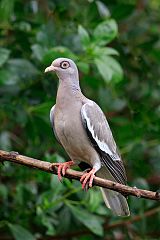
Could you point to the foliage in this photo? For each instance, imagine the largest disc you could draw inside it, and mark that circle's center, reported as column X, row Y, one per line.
column 102, row 37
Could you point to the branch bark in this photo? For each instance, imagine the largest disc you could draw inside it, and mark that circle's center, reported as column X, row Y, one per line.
column 72, row 174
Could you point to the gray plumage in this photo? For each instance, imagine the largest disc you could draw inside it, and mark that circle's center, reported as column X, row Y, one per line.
column 82, row 129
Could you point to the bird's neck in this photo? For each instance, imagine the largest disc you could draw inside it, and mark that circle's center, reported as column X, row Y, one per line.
column 68, row 90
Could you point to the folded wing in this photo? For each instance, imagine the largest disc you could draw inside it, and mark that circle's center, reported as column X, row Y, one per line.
column 100, row 135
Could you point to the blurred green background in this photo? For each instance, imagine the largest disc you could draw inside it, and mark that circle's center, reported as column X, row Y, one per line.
column 116, row 45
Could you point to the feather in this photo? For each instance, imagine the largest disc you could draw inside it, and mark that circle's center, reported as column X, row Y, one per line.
column 113, row 200
column 100, row 135
column 52, row 122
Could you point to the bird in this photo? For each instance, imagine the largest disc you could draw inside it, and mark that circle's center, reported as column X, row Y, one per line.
column 81, row 127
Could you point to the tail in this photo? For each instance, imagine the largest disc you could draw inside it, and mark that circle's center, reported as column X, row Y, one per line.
column 116, row 202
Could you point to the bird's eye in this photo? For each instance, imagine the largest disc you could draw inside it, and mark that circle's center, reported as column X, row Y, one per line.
column 64, row 65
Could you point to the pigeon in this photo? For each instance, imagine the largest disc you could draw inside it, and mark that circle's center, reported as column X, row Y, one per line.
column 82, row 129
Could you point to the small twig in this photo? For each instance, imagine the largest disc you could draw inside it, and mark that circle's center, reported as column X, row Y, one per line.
column 133, row 219
column 48, row 167
column 107, row 226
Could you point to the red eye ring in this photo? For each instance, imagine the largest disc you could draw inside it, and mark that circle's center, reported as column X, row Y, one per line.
column 64, row 65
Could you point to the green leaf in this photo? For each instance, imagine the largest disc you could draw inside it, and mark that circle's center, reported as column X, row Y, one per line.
column 4, row 55
column 7, row 77
column 3, row 223
column 22, row 68
column 57, row 52
column 65, row 217
column 38, row 51
column 101, row 51
column 3, row 191
column 42, row 108
column 6, row 9
column 84, row 67
column 95, row 198
column 5, row 140
column 109, row 69
column 84, row 36
column 55, row 182
column 118, row 104
column 91, row 221
column 54, row 158
column 105, row 32
column 23, row 26
column 102, row 9
column 141, row 183
column 20, row 232
column 48, row 222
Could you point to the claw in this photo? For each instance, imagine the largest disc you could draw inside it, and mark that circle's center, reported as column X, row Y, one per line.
column 62, row 167
column 87, row 179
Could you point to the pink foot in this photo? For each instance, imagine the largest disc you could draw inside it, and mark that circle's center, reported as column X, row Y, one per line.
column 87, row 179
column 62, row 167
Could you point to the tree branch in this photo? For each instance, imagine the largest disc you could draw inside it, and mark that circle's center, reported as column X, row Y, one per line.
column 107, row 226
column 48, row 167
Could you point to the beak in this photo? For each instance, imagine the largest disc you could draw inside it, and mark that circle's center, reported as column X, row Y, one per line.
column 50, row 69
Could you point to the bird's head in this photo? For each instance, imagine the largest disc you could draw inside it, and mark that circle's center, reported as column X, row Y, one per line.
column 65, row 68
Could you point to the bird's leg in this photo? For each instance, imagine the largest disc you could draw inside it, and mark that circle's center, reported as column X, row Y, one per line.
column 87, row 178
column 62, row 167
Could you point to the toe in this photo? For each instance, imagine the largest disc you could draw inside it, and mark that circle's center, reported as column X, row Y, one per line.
column 59, row 172
column 85, row 181
column 64, row 168
column 83, row 177
column 91, row 180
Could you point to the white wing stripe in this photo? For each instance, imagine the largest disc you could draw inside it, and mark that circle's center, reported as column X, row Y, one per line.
column 102, row 145
column 51, row 114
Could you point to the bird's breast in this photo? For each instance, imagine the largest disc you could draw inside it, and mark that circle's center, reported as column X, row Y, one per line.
column 70, row 131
